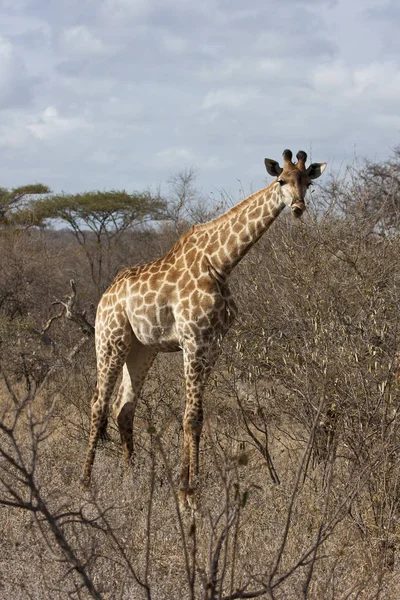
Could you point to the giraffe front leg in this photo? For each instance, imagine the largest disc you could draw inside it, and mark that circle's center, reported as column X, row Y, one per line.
column 125, row 426
column 197, row 369
column 184, row 478
column 192, row 427
column 124, row 412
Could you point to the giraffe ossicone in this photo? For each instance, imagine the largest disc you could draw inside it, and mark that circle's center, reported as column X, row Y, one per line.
column 182, row 302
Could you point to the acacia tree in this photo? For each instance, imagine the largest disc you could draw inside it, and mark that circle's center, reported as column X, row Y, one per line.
column 98, row 219
column 13, row 203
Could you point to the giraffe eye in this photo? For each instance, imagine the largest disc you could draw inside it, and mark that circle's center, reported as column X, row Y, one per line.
column 281, row 182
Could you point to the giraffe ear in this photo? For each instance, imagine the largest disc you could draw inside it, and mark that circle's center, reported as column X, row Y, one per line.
column 272, row 167
column 315, row 170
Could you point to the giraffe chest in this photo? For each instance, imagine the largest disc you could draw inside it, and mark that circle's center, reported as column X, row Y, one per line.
column 208, row 320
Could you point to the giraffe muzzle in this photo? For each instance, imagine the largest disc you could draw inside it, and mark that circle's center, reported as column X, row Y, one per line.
column 297, row 209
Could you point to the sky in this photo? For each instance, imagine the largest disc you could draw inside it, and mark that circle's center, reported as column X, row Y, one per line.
column 124, row 94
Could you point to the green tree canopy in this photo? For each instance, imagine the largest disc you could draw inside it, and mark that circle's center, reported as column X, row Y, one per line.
column 101, row 212
column 13, row 203
column 97, row 220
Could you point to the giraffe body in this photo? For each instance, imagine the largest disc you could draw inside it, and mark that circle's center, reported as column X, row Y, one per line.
column 182, row 302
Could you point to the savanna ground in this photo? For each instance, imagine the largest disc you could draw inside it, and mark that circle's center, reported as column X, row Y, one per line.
column 300, row 490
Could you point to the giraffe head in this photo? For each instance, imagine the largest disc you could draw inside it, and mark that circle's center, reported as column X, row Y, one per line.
column 293, row 179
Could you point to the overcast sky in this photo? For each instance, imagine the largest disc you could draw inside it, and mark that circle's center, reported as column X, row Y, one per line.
column 123, row 94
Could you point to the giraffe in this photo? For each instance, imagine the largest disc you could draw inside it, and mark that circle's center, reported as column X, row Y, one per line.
column 182, row 302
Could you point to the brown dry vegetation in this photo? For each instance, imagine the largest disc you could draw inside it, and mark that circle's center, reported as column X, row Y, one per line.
column 300, row 489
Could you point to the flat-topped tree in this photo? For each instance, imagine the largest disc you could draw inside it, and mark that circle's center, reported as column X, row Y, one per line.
column 98, row 218
column 182, row 302
column 14, row 202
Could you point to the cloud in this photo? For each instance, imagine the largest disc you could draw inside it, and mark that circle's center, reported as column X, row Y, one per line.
column 231, row 98
column 380, row 81
column 51, row 125
column 15, row 82
column 374, row 85
column 116, row 10
column 388, row 121
column 174, row 44
column 13, row 137
column 80, row 40
column 102, row 157
column 186, row 157
column 331, row 77
column 143, row 89
column 170, row 156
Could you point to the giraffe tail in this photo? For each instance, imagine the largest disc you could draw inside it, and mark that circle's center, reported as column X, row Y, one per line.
column 104, row 436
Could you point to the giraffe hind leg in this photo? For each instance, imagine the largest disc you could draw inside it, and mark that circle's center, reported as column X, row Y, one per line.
column 103, row 431
column 115, row 355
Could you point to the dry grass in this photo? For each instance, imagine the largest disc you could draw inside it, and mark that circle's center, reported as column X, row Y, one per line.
column 152, row 542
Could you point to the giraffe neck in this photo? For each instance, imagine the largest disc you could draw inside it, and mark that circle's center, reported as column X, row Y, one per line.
column 233, row 234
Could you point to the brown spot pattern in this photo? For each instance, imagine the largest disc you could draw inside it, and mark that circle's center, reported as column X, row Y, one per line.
column 179, row 302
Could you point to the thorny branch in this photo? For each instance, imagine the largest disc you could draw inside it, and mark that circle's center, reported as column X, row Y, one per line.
column 18, row 480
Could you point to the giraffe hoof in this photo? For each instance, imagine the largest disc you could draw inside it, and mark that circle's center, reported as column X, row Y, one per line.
column 127, row 475
column 182, row 496
column 129, row 464
column 188, row 498
column 192, row 501
column 84, row 481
